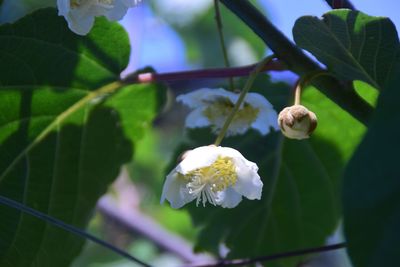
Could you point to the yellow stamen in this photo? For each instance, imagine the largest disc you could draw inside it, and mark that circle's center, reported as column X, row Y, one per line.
column 218, row 111
column 75, row 3
column 219, row 175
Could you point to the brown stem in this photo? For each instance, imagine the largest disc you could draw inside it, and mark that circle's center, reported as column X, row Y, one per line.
column 336, row 4
column 275, row 65
column 277, row 256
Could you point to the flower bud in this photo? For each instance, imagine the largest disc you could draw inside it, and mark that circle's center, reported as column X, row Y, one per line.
column 297, row 122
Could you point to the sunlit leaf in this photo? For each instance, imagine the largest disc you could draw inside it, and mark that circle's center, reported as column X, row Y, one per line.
column 62, row 140
column 351, row 44
column 372, row 186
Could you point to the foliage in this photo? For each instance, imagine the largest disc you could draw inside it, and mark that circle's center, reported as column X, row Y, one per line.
column 361, row 47
column 68, row 123
column 351, row 44
column 371, row 188
column 63, row 140
column 300, row 205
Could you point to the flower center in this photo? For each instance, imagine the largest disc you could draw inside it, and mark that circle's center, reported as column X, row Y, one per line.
column 75, row 3
column 205, row 182
column 218, row 110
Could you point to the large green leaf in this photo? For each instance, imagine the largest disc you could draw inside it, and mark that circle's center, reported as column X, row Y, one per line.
column 372, row 186
column 300, row 203
column 62, row 139
column 351, row 44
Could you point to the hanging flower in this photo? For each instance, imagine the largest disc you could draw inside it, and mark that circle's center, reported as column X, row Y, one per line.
column 80, row 14
column 211, row 107
column 218, row 175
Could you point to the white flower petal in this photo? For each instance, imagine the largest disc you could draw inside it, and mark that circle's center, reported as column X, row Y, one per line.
column 229, row 152
column 64, row 6
column 248, row 183
column 198, row 158
column 228, row 198
column 118, row 11
column 175, row 191
column 130, row 3
column 81, row 17
column 257, row 100
column 200, row 97
column 266, row 119
column 78, row 24
column 195, row 99
column 196, row 119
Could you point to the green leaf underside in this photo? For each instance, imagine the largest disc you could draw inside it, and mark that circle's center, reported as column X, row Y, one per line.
column 46, row 70
column 302, row 208
column 351, row 44
column 372, row 186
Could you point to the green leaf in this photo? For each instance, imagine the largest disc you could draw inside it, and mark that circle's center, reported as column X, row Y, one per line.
column 63, row 130
column 300, row 202
column 372, row 186
column 353, row 45
column 366, row 91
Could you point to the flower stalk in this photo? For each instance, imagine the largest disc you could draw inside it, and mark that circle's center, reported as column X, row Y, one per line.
column 242, row 95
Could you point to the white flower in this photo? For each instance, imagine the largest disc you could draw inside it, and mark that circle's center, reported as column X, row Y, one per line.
column 219, row 175
column 80, row 14
column 211, row 107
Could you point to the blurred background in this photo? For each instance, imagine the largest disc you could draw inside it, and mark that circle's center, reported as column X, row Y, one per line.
column 171, row 36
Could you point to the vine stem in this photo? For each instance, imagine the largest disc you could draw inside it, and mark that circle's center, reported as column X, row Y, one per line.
column 240, row 100
column 212, row 73
column 222, row 41
column 335, row 4
column 239, row 262
column 67, row 227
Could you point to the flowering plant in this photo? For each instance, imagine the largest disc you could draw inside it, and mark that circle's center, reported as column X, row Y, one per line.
column 211, row 107
column 78, row 119
column 218, row 175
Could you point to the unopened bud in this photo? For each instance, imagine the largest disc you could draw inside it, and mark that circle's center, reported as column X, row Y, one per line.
column 297, row 122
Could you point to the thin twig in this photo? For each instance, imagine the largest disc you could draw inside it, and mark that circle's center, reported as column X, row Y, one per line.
column 336, row 4
column 238, row 262
column 222, row 41
column 67, row 227
column 274, row 65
